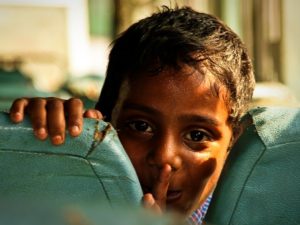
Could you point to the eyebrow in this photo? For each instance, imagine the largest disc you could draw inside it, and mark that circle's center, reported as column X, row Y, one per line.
column 200, row 119
column 147, row 109
column 188, row 117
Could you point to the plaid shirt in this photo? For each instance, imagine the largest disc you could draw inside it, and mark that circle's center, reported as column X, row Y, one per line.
column 198, row 215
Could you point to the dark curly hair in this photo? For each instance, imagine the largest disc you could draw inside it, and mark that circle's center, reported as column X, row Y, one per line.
column 172, row 37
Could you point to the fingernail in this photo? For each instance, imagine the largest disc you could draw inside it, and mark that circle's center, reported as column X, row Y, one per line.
column 57, row 140
column 41, row 133
column 74, row 129
column 18, row 116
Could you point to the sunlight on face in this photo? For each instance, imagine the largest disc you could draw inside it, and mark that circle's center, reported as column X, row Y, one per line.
column 173, row 118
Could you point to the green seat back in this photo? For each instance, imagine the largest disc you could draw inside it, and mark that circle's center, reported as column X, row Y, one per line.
column 260, row 184
column 92, row 168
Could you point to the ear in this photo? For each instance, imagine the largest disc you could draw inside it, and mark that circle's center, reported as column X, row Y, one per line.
column 238, row 129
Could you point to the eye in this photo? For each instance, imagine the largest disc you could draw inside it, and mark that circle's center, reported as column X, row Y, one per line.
column 197, row 136
column 140, row 126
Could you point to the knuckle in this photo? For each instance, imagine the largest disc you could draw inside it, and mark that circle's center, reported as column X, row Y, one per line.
column 74, row 120
column 54, row 104
column 20, row 100
column 34, row 102
column 76, row 101
column 55, row 130
column 38, row 124
column 99, row 114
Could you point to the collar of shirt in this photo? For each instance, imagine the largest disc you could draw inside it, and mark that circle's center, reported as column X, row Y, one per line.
column 198, row 215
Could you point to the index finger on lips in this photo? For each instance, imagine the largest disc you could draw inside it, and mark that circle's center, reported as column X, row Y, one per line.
column 161, row 187
column 150, row 203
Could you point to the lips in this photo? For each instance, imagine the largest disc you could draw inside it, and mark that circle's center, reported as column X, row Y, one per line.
column 173, row 195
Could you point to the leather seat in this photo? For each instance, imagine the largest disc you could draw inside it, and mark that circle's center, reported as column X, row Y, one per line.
column 260, row 183
column 92, row 168
column 87, row 180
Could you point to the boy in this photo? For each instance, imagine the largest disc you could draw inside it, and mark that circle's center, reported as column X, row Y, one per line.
column 177, row 84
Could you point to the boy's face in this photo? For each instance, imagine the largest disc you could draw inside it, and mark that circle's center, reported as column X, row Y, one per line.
column 173, row 118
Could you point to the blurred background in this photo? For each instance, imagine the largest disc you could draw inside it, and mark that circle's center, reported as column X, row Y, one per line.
column 60, row 47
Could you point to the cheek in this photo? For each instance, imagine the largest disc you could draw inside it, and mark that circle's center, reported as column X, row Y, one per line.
column 135, row 152
column 197, row 178
column 204, row 176
column 217, row 163
column 221, row 154
column 208, row 167
column 201, row 173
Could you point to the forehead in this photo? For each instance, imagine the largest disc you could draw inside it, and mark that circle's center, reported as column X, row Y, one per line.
column 180, row 81
column 174, row 91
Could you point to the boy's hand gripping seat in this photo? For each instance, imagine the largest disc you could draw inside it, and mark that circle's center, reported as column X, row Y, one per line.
column 92, row 168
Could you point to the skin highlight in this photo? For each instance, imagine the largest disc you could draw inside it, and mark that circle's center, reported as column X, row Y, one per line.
column 173, row 120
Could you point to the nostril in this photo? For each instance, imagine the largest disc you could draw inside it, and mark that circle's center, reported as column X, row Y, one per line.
column 159, row 161
column 176, row 163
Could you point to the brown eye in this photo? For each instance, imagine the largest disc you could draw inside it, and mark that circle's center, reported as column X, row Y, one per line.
column 197, row 136
column 141, row 126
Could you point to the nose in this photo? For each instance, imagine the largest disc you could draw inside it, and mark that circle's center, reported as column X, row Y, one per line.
column 164, row 150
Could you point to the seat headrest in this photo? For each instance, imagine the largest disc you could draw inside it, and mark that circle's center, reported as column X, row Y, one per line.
column 90, row 168
column 260, row 183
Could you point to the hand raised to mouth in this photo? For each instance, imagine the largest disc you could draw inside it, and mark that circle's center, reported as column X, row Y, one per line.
column 157, row 199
